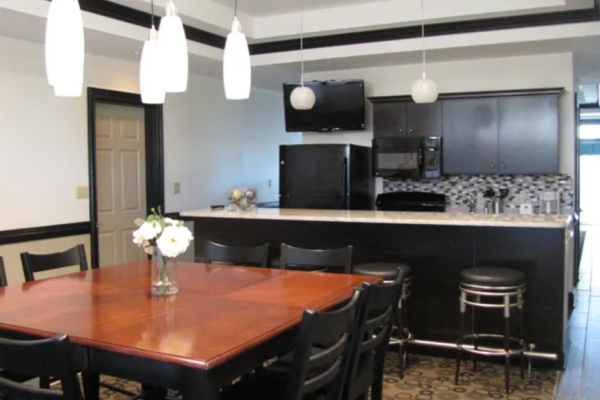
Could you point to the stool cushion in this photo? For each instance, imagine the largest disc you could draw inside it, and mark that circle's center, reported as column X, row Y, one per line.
column 492, row 276
column 387, row 271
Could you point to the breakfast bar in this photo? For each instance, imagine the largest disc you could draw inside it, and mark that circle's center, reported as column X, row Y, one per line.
column 437, row 246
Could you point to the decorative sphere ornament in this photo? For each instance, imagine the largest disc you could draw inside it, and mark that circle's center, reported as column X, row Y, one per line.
column 236, row 195
column 303, row 98
column 424, row 91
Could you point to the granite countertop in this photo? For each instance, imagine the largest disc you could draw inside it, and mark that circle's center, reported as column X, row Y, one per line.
column 388, row 217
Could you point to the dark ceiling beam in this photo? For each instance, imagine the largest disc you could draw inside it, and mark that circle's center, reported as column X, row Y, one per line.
column 441, row 29
column 141, row 18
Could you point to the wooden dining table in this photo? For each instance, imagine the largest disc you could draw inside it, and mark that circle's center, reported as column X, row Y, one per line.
column 224, row 322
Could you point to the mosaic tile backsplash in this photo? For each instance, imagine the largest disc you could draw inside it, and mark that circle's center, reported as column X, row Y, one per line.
column 460, row 188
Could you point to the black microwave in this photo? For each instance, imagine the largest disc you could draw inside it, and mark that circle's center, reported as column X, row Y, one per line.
column 408, row 157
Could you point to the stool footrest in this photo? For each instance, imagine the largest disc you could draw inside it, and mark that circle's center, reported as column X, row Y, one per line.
column 492, row 351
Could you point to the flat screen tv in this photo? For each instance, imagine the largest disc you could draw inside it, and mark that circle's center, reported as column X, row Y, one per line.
column 340, row 106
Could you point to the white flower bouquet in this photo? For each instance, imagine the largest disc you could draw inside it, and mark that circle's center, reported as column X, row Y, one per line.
column 164, row 239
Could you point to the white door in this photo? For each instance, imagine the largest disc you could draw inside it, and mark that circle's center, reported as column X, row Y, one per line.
column 120, row 181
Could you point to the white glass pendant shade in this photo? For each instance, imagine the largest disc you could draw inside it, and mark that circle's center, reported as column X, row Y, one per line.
column 424, row 91
column 65, row 48
column 173, row 43
column 151, row 71
column 303, row 98
column 237, row 71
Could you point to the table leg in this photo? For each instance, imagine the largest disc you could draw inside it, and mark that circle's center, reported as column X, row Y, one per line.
column 198, row 386
column 153, row 392
column 91, row 385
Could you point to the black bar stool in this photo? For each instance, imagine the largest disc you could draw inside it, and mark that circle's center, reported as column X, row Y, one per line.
column 388, row 272
column 500, row 288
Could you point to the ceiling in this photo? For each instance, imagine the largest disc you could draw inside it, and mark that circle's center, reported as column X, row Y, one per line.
column 115, row 39
column 272, row 20
column 272, row 7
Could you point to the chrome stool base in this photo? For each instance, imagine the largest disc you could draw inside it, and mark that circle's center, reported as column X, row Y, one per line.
column 403, row 335
column 512, row 297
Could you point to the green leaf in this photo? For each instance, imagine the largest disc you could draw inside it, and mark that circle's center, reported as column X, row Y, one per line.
column 139, row 221
column 180, row 224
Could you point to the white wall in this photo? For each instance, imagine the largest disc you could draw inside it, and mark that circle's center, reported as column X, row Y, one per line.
column 540, row 71
column 213, row 145
column 210, row 144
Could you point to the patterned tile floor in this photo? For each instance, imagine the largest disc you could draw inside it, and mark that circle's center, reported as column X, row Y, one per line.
column 431, row 378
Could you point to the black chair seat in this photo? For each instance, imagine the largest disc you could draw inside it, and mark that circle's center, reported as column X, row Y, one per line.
column 492, row 276
column 387, row 271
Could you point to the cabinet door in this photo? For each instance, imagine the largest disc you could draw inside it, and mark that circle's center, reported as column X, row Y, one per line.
column 528, row 134
column 470, row 136
column 424, row 119
column 389, row 119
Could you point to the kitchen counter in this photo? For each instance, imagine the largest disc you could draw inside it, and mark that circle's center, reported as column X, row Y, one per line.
column 399, row 218
column 437, row 246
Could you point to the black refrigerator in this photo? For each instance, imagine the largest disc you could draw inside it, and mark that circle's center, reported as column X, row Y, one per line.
column 326, row 176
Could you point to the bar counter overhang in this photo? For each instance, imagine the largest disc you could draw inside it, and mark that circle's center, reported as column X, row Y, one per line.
column 437, row 246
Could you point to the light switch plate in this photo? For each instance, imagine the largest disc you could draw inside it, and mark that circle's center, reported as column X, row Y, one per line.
column 177, row 188
column 83, row 192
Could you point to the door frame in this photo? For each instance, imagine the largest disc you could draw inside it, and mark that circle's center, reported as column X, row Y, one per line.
column 155, row 177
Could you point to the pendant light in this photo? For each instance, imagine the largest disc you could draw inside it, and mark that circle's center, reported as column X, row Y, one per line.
column 424, row 90
column 237, row 70
column 65, row 48
column 151, row 68
column 302, row 98
column 173, row 44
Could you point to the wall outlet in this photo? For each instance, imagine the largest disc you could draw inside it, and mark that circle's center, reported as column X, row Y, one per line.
column 177, row 188
column 270, row 182
column 83, row 192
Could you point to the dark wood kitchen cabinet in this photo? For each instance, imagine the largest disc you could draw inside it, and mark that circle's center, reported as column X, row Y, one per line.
column 389, row 119
column 487, row 133
column 424, row 119
column 528, row 138
column 470, row 136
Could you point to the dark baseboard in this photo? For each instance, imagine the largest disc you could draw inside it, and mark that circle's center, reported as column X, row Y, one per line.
column 44, row 232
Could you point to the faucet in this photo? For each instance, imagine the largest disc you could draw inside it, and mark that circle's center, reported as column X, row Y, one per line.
column 472, row 204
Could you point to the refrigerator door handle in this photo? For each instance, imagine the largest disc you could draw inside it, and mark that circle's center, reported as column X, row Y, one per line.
column 346, row 184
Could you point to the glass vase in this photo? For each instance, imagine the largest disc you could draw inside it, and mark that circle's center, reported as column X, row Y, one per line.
column 164, row 275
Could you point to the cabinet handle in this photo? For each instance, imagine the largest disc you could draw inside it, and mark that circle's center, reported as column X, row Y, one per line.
column 410, row 130
column 400, row 130
column 493, row 166
column 503, row 166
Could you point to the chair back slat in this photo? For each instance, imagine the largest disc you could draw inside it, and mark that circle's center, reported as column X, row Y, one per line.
column 33, row 263
column 374, row 327
column 47, row 357
column 323, row 350
column 256, row 256
column 3, row 280
column 333, row 260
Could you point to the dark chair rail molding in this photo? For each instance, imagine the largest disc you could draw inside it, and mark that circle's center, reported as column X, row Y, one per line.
column 141, row 18
column 44, row 232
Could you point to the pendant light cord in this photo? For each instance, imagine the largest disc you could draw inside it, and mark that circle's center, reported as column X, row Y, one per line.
column 423, row 39
column 235, row 9
column 302, row 43
column 152, row 11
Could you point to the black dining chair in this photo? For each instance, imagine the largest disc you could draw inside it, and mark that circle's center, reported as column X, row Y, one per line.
column 332, row 260
column 47, row 357
column 373, row 330
column 318, row 364
column 241, row 256
column 3, row 281
column 33, row 263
